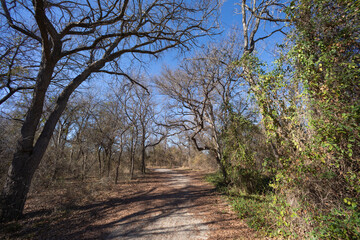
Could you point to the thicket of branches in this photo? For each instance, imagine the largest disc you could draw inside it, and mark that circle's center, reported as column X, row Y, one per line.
column 289, row 130
column 51, row 47
column 113, row 138
column 304, row 142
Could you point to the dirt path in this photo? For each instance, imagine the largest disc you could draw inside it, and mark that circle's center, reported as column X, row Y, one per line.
column 162, row 204
column 178, row 206
column 166, row 217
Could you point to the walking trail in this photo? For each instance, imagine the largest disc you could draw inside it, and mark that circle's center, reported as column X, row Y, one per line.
column 176, row 205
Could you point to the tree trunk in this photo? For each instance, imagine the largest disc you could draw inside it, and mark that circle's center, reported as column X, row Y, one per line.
column 17, row 186
column 143, row 153
column 143, row 165
column 132, row 161
column 99, row 160
column 222, row 168
column 71, row 159
column 21, row 171
column 83, row 166
column 108, row 156
column 27, row 156
column 118, row 166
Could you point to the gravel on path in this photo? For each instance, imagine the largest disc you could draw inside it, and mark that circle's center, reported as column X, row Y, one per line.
column 176, row 205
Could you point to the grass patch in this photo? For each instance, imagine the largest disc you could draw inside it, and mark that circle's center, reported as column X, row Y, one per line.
column 255, row 209
column 338, row 224
column 270, row 215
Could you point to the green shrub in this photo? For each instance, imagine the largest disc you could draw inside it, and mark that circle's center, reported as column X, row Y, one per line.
column 338, row 224
column 254, row 208
column 253, row 181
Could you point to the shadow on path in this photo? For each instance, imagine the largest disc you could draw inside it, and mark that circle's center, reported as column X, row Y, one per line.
column 165, row 204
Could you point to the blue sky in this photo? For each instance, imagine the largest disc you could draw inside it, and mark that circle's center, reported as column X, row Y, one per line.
column 228, row 20
column 171, row 58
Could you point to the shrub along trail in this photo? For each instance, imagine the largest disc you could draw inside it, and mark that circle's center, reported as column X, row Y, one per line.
column 163, row 204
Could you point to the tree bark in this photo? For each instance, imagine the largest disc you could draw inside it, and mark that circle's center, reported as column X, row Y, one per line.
column 99, row 160
column 132, row 160
column 222, row 168
column 17, row 186
column 143, row 164
column 143, row 153
column 27, row 156
column 29, row 151
column 118, row 165
column 108, row 156
column 83, row 167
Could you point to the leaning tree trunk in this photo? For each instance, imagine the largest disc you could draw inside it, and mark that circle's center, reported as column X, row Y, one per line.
column 25, row 162
column 28, row 155
column 17, row 185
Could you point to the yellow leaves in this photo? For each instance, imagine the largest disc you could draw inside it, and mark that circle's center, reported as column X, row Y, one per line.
column 320, row 67
column 350, row 202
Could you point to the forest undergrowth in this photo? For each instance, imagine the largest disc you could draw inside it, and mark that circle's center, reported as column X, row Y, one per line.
column 310, row 116
column 284, row 133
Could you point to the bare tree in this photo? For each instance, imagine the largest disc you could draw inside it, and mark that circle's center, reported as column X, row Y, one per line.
column 106, row 124
column 129, row 102
column 200, row 92
column 256, row 14
column 152, row 133
column 81, row 133
column 121, row 136
column 90, row 36
column 62, row 135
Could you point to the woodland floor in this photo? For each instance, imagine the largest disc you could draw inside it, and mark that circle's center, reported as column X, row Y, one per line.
column 163, row 204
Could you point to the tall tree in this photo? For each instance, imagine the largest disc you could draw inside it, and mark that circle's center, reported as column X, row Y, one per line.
column 151, row 132
column 79, row 39
column 200, row 93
